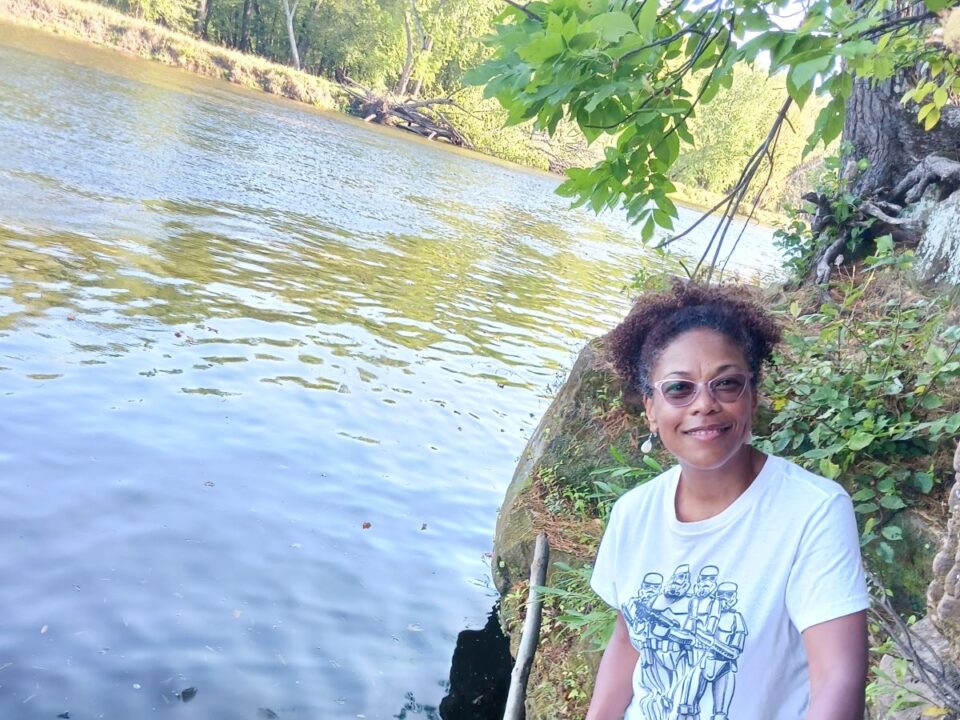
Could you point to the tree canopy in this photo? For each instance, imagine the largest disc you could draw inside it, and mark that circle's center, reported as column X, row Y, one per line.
column 623, row 68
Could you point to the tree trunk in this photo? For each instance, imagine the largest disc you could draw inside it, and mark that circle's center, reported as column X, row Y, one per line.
column 401, row 89
column 427, row 47
column 200, row 21
column 244, row 42
column 289, row 12
column 888, row 135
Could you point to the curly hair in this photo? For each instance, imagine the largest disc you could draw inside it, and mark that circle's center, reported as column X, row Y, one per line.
column 657, row 318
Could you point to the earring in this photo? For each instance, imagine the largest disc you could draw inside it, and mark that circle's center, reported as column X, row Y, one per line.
column 647, row 447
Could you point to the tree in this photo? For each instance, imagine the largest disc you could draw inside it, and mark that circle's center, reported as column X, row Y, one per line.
column 618, row 67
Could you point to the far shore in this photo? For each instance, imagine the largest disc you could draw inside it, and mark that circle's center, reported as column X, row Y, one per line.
column 108, row 28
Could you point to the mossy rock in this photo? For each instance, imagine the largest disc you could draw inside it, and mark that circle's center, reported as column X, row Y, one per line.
column 589, row 415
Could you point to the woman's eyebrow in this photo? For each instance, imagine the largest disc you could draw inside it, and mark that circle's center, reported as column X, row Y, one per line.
column 722, row 368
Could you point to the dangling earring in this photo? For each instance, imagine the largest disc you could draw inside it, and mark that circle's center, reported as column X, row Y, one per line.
column 647, row 447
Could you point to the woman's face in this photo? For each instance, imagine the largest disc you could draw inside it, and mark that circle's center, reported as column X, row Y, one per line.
column 707, row 433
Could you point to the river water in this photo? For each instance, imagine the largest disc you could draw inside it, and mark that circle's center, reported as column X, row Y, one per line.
column 265, row 373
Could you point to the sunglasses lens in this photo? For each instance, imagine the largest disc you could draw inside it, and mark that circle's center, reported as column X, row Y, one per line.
column 728, row 388
column 678, row 392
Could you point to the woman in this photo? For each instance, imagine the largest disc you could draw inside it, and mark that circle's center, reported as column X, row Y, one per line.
column 736, row 576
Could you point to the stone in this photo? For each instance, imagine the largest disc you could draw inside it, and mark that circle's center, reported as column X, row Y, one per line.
column 893, row 678
column 938, row 255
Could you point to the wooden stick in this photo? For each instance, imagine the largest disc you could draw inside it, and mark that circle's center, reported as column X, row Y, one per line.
column 531, row 632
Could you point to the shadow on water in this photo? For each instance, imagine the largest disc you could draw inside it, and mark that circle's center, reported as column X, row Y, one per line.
column 479, row 678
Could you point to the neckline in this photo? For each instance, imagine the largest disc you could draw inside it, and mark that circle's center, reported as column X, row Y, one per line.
column 747, row 499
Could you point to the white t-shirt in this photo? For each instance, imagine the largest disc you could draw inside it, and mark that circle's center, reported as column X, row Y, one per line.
column 715, row 608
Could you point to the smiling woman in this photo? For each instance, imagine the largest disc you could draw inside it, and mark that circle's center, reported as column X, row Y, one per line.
column 736, row 576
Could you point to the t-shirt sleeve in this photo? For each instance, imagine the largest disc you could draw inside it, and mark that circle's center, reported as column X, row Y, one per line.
column 827, row 581
column 604, row 578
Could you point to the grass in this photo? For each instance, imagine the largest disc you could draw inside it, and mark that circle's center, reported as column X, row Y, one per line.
column 109, row 28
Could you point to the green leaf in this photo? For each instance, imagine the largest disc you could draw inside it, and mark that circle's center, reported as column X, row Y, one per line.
column 866, row 508
column 860, row 440
column 937, row 5
column 892, row 502
column 804, row 72
column 829, row 469
column 892, row 532
column 647, row 19
column 864, row 494
column 614, row 25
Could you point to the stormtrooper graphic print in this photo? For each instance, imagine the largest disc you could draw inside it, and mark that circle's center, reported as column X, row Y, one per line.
column 689, row 635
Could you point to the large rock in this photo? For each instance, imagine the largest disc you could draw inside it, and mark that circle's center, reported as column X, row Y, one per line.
column 588, row 416
column 938, row 256
column 895, row 681
column 943, row 596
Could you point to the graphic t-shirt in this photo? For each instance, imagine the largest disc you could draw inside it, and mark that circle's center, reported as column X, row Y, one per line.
column 715, row 608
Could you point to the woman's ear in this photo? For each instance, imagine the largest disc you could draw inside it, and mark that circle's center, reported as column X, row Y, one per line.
column 648, row 408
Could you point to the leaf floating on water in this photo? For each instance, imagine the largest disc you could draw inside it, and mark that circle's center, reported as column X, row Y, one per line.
column 267, row 713
column 366, row 526
column 187, row 695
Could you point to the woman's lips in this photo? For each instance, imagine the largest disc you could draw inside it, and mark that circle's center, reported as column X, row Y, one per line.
column 707, row 432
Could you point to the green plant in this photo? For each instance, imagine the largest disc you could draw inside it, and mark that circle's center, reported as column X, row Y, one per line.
column 862, row 394
column 797, row 241
column 621, row 477
column 581, row 611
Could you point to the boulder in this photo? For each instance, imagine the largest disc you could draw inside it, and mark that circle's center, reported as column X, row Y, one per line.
column 943, row 595
column 938, row 255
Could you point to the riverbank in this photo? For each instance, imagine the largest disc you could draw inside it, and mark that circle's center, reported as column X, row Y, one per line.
column 109, row 28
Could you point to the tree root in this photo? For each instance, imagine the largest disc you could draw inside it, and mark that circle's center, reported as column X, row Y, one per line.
column 933, row 169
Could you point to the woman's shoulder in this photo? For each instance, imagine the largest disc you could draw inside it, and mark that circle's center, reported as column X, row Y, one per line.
column 797, row 485
column 649, row 492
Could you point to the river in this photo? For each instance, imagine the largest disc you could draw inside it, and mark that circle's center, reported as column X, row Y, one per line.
column 265, row 375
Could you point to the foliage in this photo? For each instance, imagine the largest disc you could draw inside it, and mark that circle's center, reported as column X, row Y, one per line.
column 175, row 14
column 728, row 130
column 864, row 393
column 619, row 67
column 798, row 244
column 581, row 611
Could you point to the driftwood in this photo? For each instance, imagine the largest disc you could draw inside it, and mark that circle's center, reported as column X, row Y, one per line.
column 417, row 116
column 531, row 632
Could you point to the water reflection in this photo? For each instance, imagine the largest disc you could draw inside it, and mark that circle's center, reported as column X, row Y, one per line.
column 260, row 405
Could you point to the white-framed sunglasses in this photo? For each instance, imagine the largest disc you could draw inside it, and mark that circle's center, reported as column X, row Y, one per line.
column 724, row 388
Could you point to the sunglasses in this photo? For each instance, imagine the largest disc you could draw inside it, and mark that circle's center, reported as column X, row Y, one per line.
column 725, row 389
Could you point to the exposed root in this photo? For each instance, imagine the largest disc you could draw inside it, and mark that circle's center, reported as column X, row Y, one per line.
column 934, row 169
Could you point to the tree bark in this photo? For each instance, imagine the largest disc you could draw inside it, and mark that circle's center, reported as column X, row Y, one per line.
column 408, row 64
column 244, row 41
column 200, row 21
column 289, row 12
column 888, row 135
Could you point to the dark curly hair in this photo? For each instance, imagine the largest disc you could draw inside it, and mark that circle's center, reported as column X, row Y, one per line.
column 657, row 318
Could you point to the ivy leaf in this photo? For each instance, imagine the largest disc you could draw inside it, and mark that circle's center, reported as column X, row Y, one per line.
column 892, row 502
column 892, row 532
column 860, row 440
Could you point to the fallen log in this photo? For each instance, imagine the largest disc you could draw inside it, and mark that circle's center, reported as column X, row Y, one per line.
column 416, row 116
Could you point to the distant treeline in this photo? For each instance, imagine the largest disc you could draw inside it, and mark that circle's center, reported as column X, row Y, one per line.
column 422, row 48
